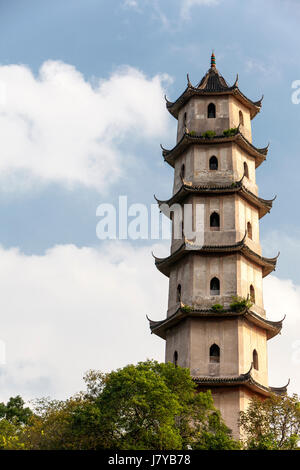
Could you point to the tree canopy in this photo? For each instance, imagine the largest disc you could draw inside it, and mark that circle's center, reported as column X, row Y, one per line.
column 145, row 406
column 272, row 424
column 148, row 406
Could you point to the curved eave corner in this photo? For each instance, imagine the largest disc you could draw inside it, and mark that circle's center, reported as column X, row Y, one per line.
column 267, row 264
column 188, row 139
column 240, row 380
column 191, row 91
column 160, row 328
column 264, row 205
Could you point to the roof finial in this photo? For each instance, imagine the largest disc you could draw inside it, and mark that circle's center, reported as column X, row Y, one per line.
column 213, row 60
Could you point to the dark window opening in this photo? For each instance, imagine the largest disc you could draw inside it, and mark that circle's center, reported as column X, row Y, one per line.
column 252, row 294
column 246, row 171
column 175, row 358
column 255, row 359
column 182, row 170
column 184, row 120
column 215, row 220
column 215, row 286
column 249, row 230
column 213, row 163
column 214, row 353
column 211, row 111
column 241, row 118
column 178, row 298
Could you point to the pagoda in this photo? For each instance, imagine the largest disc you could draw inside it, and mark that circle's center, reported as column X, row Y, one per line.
column 216, row 324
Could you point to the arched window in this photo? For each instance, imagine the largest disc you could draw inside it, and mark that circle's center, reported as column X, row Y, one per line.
column 214, row 286
column 241, row 118
column 178, row 297
column 184, row 120
column 182, row 228
column 211, row 111
column 255, row 359
column 249, row 230
column 175, row 358
column 246, row 171
column 182, row 170
column 213, row 163
column 215, row 220
column 252, row 294
column 214, row 353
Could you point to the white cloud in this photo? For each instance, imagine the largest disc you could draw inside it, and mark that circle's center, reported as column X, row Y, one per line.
column 282, row 297
column 73, row 309
column 57, row 127
column 78, row 308
column 187, row 5
column 131, row 3
column 267, row 69
column 182, row 9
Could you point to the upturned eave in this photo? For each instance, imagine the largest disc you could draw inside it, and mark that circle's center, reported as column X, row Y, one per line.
column 240, row 380
column 191, row 91
column 186, row 248
column 188, row 139
column 264, row 205
column 160, row 328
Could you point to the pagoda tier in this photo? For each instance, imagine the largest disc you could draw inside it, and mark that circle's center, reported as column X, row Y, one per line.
column 160, row 328
column 213, row 84
column 263, row 205
column 246, row 380
column 193, row 139
column 164, row 264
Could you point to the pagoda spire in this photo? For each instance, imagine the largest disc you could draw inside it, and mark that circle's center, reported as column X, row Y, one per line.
column 213, row 61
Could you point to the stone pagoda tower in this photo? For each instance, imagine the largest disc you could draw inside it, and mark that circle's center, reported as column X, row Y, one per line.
column 215, row 162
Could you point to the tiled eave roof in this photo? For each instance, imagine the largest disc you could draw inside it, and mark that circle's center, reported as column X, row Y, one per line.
column 242, row 379
column 159, row 328
column 187, row 139
column 264, row 205
column 164, row 264
column 191, row 91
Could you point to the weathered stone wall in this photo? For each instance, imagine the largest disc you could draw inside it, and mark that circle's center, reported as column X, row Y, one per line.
column 181, row 273
column 249, row 274
column 205, row 333
column 252, row 338
column 227, row 400
column 235, row 107
column 196, row 116
column 228, row 110
column 207, row 267
column 178, row 339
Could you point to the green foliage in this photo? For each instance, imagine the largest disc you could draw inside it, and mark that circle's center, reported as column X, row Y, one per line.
column 217, row 307
column 230, row 132
column 73, row 424
column 14, row 410
column 239, row 304
column 217, row 436
column 144, row 406
column 209, row 134
column 193, row 133
column 9, row 436
column 186, row 308
column 273, row 424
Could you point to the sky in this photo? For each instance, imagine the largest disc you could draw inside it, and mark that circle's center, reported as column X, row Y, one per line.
column 82, row 115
